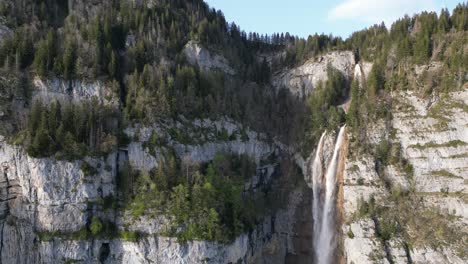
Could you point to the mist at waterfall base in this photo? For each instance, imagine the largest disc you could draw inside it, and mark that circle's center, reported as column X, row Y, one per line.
column 324, row 200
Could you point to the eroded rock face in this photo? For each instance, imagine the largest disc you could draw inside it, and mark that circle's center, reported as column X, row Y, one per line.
column 303, row 79
column 433, row 137
column 75, row 91
column 40, row 188
column 206, row 60
column 203, row 149
column 435, row 140
column 45, row 196
column 363, row 244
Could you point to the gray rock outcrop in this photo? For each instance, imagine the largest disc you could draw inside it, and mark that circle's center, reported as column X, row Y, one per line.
column 205, row 59
column 45, row 203
column 74, row 91
column 433, row 137
column 303, row 79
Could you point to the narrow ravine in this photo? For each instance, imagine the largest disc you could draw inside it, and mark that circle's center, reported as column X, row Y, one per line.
column 324, row 204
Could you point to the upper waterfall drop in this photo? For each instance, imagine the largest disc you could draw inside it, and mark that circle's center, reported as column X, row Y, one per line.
column 324, row 214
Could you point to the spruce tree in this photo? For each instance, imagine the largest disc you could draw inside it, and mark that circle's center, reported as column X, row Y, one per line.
column 40, row 59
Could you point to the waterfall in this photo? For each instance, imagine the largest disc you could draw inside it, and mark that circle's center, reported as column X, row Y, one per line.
column 324, row 201
column 316, row 187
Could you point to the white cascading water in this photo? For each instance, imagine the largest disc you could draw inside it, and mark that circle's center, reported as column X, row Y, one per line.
column 316, row 188
column 323, row 213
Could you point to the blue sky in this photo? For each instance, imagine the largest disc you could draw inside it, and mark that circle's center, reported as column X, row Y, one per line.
column 304, row 17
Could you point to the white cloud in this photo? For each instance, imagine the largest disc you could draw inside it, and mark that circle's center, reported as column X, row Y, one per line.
column 376, row 11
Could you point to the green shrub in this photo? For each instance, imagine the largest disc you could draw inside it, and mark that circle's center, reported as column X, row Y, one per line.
column 131, row 236
column 360, row 181
column 46, row 236
column 350, row 233
column 244, row 136
column 222, row 135
column 87, row 169
column 388, row 229
column 180, row 136
column 157, row 141
column 80, row 235
column 233, row 137
column 96, row 226
column 138, row 208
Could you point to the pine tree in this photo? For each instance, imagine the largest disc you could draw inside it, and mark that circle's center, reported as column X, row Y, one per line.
column 179, row 204
column 422, row 48
column 212, row 225
column 112, row 68
column 41, row 58
column 404, row 48
column 55, row 118
column 460, row 17
column 51, row 49
column 444, row 21
column 69, row 60
column 35, row 117
column 41, row 144
column 375, row 82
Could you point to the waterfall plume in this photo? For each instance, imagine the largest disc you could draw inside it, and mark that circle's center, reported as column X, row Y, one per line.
column 317, row 185
column 324, row 195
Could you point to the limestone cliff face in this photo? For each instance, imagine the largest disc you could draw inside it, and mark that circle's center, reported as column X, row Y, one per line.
column 433, row 137
column 206, row 60
column 205, row 143
column 46, row 197
column 303, row 79
column 75, row 91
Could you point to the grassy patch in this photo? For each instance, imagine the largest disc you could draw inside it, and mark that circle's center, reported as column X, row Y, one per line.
column 98, row 229
column 71, row 261
column 441, row 111
column 82, row 234
column 406, row 217
column 131, row 236
column 458, row 194
column 445, row 174
column 450, row 144
column 457, row 156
